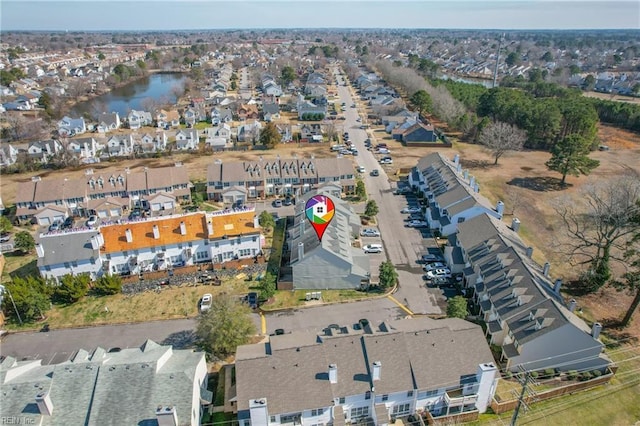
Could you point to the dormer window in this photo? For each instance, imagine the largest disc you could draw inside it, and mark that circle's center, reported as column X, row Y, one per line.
column 531, row 316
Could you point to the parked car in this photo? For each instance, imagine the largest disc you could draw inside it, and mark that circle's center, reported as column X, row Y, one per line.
column 93, row 219
column 135, row 213
column 411, row 210
column 361, row 169
column 375, row 172
column 369, row 232
column 439, row 273
column 403, row 190
column 430, row 257
column 386, row 160
column 372, row 248
column 277, row 203
column 252, row 299
column 55, row 226
column 416, row 224
column 435, row 265
column 5, row 238
column 68, row 223
column 287, row 202
column 205, row 302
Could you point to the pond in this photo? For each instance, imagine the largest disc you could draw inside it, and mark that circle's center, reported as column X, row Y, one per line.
column 159, row 87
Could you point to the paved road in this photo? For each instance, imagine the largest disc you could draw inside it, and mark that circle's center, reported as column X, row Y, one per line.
column 402, row 246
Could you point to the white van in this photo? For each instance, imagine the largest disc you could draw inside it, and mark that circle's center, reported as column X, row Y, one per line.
column 337, row 147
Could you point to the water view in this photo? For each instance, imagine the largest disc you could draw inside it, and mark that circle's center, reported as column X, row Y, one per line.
column 159, row 87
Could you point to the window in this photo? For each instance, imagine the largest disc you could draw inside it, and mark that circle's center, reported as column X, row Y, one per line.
column 410, row 394
column 432, row 392
column 385, row 397
column 359, row 412
column 460, row 219
column 317, row 412
column 367, row 395
column 342, row 400
column 272, row 419
column 74, row 264
column 401, row 409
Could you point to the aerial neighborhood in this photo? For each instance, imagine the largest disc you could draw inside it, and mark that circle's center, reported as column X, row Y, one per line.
column 160, row 184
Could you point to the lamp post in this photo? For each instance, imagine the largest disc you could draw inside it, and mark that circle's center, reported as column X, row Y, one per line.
column 2, row 291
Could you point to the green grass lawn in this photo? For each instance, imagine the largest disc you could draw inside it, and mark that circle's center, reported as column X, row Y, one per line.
column 616, row 403
column 291, row 299
column 18, row 264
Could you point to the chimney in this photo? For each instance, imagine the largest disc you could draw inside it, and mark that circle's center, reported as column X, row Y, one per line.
column 210, row 228
column 500, row 208
column 476, row 187
column 456, row 159
column 557, row 285
column 156, row 232
column 300, row 251
column 529, row 252
column 40, row 250
column 572, row 305
column 166, row 416
column 302, row 227
column 333, row 373
column 128, row 235
column 465, row 174
column 45, row 406
column 183, row 228
column 472, row 181
column 545, row 269
column 95, row 242
column 256, row 221
column 596, row 329
column 459, row 168
column 515, row 224
column 376, row 370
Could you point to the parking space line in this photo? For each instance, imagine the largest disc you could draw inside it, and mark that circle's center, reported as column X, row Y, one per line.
column 403, row 307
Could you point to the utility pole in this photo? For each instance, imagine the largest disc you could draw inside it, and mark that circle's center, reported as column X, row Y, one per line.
column 495, row 71
column 524, row 381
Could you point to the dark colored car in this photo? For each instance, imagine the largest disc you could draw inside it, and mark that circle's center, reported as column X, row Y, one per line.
column 375, row 172
column 68, row 223
column 252, row 300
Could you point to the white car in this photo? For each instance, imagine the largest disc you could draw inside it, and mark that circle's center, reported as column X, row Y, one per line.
column 386, row 161
column 93, row 219
column 370, row 232
column 361, row 169
column 372, row 248
column 411, row 210
column 439, row 273
column 205, row 302
column 417, row 224
column 435, row 265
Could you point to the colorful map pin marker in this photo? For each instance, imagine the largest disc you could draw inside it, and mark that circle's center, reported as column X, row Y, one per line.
column 319, row 210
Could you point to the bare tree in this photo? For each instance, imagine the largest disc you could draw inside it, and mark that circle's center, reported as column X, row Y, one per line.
column 514, row 198
column 18, row 127
column 77, row 87
column 600, row 222
column 499, row 138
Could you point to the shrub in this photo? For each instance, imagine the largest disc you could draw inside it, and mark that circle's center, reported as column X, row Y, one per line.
column 572, row 374
column 550, row 372
column 585, row 376
column 596, row 373
column 534, row 374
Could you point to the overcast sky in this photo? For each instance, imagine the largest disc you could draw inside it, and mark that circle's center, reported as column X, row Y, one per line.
column 213, row 14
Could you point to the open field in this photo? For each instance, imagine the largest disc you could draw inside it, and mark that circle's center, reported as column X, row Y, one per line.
column 612, row 97
column 177, row 302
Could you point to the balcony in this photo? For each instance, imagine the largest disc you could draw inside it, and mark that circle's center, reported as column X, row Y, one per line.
column 456, row 399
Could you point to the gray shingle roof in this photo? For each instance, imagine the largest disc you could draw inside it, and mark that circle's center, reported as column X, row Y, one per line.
column 301, row 373
column 123, row 388
column 67, row 247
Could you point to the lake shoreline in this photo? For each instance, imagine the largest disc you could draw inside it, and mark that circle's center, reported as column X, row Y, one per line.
column 72, row 104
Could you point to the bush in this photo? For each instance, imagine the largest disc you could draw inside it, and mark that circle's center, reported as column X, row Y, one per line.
column 534, row 374
column 550, row 372
column 596, row 373
column 585, row 376
column 572, row 374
